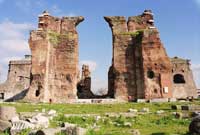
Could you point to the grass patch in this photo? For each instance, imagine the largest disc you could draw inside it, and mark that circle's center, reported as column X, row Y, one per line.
column 147, row 124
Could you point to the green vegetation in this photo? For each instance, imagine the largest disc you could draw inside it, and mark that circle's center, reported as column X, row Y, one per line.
column 24, row 132
column 5, row 133
column 148, row 124
column 56, row 38
column 133, row 34
column 60, row 133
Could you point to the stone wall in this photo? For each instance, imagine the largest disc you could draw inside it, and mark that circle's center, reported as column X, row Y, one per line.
column 18, row 80
column 84, row 85
column 140, row 66
column 183, row 81
column 54, row 49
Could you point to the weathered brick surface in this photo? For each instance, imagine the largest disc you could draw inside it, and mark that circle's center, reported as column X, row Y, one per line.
column 54, row 48
column 18, row 80
column 140, row 66
column 180, row 89
column 137, row 54
column 84, row 85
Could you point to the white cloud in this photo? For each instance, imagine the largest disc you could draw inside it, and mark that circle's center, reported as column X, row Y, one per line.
column 13, row 38
column 92, row 64
column 196, row 73
column 7, row 59
column 99, row 86
column 13, row 43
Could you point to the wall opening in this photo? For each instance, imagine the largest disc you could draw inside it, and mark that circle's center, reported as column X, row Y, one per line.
column 1, row 95
column 37, row 92
column 150, row 74
column 179, row 79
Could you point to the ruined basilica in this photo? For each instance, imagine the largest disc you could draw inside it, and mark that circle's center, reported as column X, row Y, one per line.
column 140, row 69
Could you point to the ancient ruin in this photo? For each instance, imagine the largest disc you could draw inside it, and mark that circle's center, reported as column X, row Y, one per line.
column 18, row 80
column 84, row 85
column 141, row 68
column 54, row 49
column 183, row 83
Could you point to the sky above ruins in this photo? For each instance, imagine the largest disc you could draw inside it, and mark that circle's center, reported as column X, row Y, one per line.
column 177, row 20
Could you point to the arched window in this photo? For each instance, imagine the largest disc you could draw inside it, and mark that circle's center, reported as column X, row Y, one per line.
column 178, row 78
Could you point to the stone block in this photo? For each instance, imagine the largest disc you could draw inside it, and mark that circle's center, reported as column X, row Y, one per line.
column 158, row 100
column 4, row 125
column 7, row 113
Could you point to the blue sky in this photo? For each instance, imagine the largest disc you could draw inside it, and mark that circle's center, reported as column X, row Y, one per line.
column 177, row 20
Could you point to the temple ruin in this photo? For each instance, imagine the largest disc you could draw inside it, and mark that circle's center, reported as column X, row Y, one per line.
column 54, row 49
column 140, row 69
column 18, row 80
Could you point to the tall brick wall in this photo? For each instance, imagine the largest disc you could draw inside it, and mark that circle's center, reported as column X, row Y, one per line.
column 140, row 66
column 54, row 48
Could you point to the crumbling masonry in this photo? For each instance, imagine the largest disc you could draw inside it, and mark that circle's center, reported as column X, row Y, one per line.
column 141, row 68
column 54, row 49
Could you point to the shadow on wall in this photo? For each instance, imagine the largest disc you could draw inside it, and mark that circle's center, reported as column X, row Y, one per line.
column 18, row 96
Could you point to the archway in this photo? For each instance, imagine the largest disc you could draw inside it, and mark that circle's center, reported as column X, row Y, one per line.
column 179, row 79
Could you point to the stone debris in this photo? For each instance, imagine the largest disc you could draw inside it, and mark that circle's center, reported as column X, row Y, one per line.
column 160, row 112
column 141, row 100
column 159, row 100
column 182, row 115
column 4, row 125
column 132, row 110
column 128, row 124
column 135, row 132
column 194, row 127
column 40, row 121
column 52, row 112
column 72, row 129
column 145, row 110
column 34, row 122
column 14, row 119
column 97, row 118
column 19, row 125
